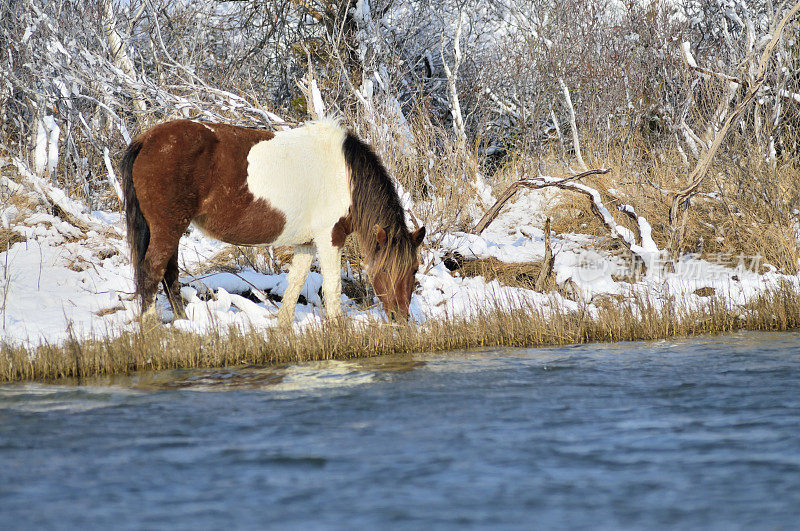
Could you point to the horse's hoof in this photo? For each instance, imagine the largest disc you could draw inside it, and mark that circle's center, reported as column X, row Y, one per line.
column 335, row 319
column 285, row 320
column 150, row 318
column 149, row 321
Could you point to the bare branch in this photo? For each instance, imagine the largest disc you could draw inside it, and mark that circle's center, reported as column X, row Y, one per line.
column 575, row 139
column 546, row 272
column 532, row 184
column 700, row 171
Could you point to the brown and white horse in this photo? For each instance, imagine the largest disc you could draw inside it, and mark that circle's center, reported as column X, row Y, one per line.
column 308, row 187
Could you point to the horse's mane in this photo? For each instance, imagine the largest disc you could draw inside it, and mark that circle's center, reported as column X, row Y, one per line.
column 374, row 201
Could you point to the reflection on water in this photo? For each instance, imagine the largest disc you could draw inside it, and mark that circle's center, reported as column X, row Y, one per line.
column 692, row 433
column 307, row 377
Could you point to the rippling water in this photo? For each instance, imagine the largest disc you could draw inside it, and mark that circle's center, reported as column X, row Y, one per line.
column 701, row 433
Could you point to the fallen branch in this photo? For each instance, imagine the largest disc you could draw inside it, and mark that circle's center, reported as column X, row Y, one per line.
column 55, row 198
column 532, row 184
column 644, row 230
column 641, row 244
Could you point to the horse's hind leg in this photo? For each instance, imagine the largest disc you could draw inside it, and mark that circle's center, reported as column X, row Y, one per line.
column 162, row 249
column 298, row 271
column 173, row 288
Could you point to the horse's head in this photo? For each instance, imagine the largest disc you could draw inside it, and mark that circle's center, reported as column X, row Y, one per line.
column 393, row 269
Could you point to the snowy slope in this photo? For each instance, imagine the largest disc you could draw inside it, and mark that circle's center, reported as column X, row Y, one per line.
column 64, row 280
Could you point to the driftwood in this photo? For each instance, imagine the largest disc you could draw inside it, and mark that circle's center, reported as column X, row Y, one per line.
column 643, row 251
column 547, row 264
column 631, row 214
column 492, row 213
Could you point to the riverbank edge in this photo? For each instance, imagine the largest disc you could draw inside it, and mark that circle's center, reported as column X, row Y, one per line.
column 157, row 347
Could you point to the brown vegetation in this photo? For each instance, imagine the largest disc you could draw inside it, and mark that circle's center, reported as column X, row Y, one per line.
column 9, row 237
column 158, row 347
column 747, row 210
column 521, row 275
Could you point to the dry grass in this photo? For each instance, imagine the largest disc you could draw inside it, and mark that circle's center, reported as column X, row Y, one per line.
column 159, row 348
column 234, row 258
column 745, row 206
column 431, row 166
column 9, row 237
column 520, row 275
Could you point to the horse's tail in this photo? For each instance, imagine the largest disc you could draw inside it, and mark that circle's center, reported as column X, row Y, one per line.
column 138, row 230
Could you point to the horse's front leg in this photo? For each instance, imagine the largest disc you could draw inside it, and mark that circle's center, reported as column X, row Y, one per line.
column 330, row 264
column 298, row 271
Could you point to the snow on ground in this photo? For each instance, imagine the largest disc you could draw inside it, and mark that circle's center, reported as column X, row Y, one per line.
column 60, row 277
column 66, row 281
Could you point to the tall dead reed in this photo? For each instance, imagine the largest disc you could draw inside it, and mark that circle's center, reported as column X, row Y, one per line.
column 161, row 348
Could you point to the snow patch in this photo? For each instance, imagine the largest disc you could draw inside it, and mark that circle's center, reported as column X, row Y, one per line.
column 65, row 281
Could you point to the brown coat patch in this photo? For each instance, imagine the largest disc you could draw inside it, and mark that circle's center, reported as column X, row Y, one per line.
column 341, row 230
column 186, row 172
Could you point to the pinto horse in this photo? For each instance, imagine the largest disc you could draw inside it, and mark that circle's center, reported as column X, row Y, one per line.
column 308, row 187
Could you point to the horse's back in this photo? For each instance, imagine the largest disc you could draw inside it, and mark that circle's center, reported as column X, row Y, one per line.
column 302, row 173
column 242, row 185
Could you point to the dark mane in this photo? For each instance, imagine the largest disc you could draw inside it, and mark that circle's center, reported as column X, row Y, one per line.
column 375, row 202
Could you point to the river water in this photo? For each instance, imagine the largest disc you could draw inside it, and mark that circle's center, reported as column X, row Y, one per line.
column 698, row 433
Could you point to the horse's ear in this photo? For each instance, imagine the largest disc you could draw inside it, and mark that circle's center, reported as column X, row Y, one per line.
column 380, row 235
column 417, row 236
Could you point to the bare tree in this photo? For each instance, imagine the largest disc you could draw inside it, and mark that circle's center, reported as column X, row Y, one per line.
column 756, row 66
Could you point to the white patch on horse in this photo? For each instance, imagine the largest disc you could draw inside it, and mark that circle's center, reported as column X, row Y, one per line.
column 207, row 127
column 302, row 173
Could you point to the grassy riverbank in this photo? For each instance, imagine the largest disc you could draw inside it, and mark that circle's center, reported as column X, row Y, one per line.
column 163, row 347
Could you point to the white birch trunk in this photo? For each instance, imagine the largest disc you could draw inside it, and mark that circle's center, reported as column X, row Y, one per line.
column 573, row 126
column 452, row 78
column 117, row 47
